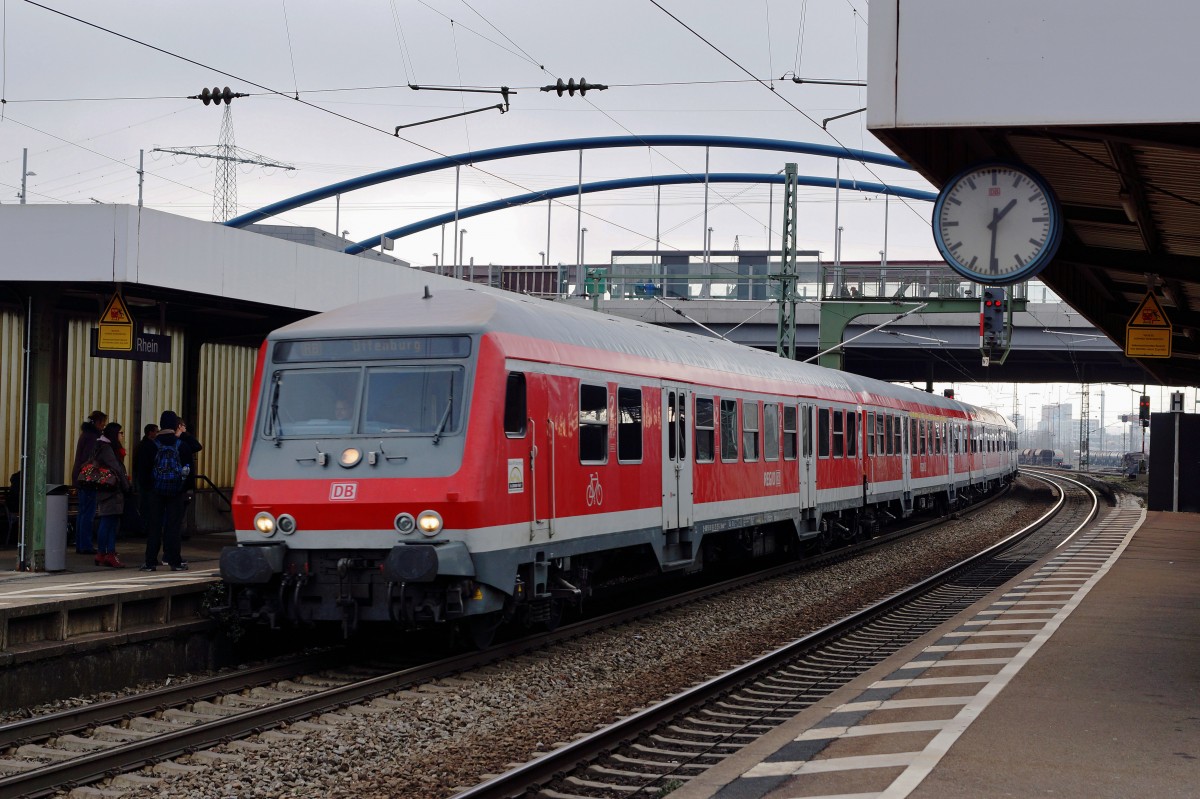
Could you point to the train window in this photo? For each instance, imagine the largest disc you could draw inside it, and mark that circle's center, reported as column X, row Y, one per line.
column 313, row 402
column 823, row 432
column 897, row 432
column 912, row 436
column 789, row 432
column 629, row 424
column 729, row 430
column 770, row 431
column 869, row 434
column 879, row 441
column 417, row 400
column 887, row 435
column 704, row 430
column 806, row 430
column 515, row 412
column 750, row 430
column 681, row 426
column 593, row 423
column 839, row 434
column 851, row 434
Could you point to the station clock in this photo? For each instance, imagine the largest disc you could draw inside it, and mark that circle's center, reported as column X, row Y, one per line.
column 997, row 223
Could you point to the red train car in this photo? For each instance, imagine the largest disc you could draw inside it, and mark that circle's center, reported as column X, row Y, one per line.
column 470, row 456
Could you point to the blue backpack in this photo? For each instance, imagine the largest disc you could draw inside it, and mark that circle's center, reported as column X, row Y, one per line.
column 169, row 472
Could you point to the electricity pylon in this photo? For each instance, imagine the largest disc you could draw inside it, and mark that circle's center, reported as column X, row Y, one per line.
column 227, row 155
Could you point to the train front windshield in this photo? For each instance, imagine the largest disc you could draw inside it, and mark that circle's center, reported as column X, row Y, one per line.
column 423, row 400
column 407, row 396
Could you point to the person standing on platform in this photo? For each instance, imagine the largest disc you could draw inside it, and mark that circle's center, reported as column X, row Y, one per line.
column 174, row 450
column 89, row 433
column 143, row 468
column 110, row 453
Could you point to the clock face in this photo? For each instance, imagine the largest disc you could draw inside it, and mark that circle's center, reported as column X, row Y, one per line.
column 997, row 223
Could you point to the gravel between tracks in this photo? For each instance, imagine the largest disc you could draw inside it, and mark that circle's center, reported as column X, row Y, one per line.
column 431, row 740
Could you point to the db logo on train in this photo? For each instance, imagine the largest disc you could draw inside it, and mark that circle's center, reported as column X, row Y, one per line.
column 342, row 492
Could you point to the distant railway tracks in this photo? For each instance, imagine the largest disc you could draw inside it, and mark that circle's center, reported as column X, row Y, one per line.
column 668, row 744
column 108, row 740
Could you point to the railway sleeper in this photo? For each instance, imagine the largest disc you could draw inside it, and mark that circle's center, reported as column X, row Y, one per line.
column 665, row 764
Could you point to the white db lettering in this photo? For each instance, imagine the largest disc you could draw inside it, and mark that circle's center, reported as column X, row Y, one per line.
column 342, row 492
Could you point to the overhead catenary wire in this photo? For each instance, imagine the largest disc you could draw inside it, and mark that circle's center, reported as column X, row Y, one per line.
column 773, row 91
column 300, row 100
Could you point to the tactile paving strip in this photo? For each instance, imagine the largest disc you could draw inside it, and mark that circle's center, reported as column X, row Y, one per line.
column 886, row 741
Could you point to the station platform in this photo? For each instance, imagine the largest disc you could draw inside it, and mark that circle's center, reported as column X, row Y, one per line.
column 1079, row 679
column 85, row 607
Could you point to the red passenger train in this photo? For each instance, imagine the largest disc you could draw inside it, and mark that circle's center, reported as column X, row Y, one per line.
column 469, row 456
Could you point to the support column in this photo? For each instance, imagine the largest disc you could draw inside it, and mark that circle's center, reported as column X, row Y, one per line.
column 41, row 470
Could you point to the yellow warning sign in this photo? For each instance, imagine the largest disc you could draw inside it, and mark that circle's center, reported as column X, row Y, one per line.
column 116, row 326
column 1148, row 331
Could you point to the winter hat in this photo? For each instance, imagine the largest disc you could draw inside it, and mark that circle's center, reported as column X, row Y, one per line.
column 168, row 421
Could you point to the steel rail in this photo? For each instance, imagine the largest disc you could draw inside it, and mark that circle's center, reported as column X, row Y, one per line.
column 116, row 710
column 125, row 757
column 521, row 779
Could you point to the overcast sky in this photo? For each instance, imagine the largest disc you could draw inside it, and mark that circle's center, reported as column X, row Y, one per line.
column 82, row 150
column 61, row 79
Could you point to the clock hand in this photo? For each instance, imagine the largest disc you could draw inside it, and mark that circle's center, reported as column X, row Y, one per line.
column 995, row 267
column 998, row 215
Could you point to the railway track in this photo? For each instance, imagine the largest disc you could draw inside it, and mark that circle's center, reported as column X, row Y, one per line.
column 83, row 745
column 665, row 746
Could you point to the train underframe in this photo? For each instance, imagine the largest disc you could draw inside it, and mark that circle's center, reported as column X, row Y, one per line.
column 424, row 586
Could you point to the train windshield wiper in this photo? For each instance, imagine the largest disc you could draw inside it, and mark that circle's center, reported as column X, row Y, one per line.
column 437, row 434
column 273, row 422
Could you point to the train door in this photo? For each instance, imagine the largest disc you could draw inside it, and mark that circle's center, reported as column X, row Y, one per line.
column 919, row 435
column 951, row 444
column 541, row 457
column 808, row 469
column 677, row 464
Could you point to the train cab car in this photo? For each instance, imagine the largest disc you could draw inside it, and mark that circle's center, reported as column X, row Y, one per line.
column 468, row 456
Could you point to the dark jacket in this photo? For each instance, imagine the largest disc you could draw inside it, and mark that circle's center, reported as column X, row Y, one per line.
column 83, row 448
column 111, row 503
column 143, row 464
column 188, row 447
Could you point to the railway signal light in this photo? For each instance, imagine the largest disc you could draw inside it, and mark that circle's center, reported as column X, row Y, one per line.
column 991, row 319
column 1144, row 410
column 570, row 86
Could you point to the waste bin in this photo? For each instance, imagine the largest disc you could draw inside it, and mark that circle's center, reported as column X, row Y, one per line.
column 56, row 527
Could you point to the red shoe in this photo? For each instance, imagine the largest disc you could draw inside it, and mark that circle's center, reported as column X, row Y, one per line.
column 111, row 559
column 101, row 559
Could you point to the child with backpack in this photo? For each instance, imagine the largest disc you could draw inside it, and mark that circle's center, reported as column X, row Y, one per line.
column 172, row 459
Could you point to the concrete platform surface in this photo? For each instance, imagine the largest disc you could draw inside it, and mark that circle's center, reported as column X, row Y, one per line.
column 1080, row 679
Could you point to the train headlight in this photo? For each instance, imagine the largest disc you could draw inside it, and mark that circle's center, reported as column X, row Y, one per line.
column 430, row 522
column 286, row 524
column 265, row 523
column 350, row 457
column 404, row 523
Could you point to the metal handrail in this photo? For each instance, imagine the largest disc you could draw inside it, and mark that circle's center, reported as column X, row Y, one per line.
column 219, row 492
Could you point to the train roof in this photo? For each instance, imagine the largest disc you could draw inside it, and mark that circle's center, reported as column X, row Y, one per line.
column 536, row 329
